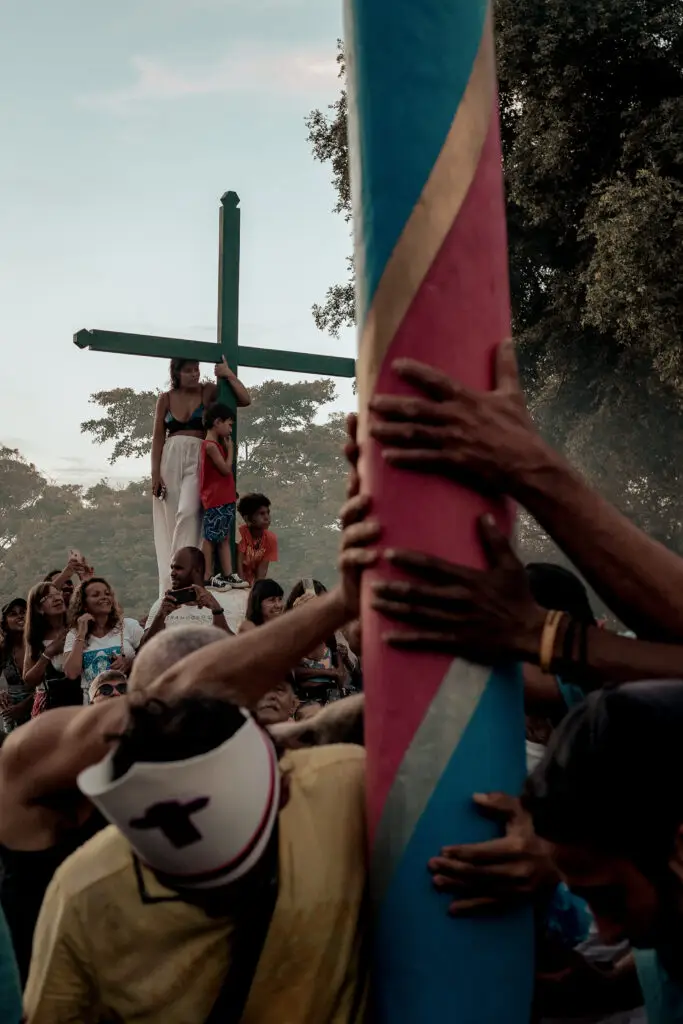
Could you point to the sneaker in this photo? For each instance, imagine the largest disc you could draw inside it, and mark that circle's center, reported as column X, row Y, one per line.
column 236, row 582
column 219, row 582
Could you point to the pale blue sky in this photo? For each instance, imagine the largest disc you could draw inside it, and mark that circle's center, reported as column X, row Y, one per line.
column 121, row 126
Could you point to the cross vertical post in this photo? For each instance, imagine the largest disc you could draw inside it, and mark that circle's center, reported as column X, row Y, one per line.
column 229, row 286
column 229, row 223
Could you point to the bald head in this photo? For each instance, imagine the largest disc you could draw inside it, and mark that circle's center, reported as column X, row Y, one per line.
column 166, row 649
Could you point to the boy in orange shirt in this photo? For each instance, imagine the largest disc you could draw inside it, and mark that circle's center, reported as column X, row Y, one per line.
column 218, row 496
column 257, row 545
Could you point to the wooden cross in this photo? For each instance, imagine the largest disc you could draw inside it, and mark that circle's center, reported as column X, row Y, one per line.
column 227, row 343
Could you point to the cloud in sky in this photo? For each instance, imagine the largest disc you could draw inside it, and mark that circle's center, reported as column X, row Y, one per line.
column 248, row 70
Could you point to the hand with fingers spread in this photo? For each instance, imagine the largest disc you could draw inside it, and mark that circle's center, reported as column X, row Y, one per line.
column 493, row 876
column 484, row 615
column 359, row 533
column 450, row 429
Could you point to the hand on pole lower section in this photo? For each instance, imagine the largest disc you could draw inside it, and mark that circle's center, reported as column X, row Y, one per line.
column 499, row 874
column 450, row 429
column 483, row 615
column 360, row 535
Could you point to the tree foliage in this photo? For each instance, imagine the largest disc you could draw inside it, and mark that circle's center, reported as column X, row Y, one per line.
column 591, row 100
column 284, row 451
column 112, row 525
column 128, row 421
column 327, row 134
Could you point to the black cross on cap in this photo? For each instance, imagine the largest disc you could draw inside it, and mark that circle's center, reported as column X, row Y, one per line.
column 173, row 819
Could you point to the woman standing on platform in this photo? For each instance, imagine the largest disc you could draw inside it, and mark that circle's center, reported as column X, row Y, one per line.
column 176, row 446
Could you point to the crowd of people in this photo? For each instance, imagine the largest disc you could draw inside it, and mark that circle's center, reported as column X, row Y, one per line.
column 182, row 812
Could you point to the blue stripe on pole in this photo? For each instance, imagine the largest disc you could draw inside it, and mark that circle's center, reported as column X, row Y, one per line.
column 432, row 967
column 403, row 117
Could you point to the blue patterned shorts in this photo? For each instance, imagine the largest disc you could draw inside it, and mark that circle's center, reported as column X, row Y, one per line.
column 217, row 523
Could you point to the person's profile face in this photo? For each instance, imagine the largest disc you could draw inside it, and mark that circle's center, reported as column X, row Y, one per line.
column 189, row 375
column 271, row 607
column 223, row 428
column 181, row 571
column 624, row 902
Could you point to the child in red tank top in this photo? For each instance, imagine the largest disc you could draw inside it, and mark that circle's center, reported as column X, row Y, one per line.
column 218, row 496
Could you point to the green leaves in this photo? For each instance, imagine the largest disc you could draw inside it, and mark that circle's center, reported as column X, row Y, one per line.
column 591, row 105
column 40, row 522
column 128, row 421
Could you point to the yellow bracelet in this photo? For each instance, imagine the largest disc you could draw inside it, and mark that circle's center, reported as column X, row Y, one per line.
column 548, row 636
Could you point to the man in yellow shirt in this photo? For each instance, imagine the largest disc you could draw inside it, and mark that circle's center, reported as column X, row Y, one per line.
column 115, row 940
column 112, row 943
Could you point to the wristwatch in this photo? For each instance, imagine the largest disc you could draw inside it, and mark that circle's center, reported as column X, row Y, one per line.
column 216, row 611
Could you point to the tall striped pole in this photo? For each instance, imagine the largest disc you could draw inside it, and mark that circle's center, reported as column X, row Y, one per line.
column 432, row 283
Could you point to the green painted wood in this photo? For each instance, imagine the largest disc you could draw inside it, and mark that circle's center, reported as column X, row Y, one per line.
column 229, row 229
column 209, row 352
column 146, row 345
column 296, row 362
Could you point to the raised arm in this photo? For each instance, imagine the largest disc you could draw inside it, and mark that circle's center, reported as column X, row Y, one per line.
column 68, row 572
column 248, row 666
column 339, row 722
column 451, row 429
column 490, row 616
column 74, row 646
column 48, row 753
column 223, row 372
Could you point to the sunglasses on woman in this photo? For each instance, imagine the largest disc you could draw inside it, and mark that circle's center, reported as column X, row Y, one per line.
column 109, row 689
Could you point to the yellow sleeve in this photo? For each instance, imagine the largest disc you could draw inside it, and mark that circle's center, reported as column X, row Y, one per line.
column 59, row 989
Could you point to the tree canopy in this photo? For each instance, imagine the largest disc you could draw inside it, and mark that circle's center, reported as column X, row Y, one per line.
column 591, row 100
column 42, row 521
column 287, row 450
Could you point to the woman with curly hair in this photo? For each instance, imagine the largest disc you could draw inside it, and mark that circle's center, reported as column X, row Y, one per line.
column 176, row 446
column 100, row 637
column 46, row 631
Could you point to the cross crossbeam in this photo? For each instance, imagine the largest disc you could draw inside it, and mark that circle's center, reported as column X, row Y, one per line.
column 211, row 352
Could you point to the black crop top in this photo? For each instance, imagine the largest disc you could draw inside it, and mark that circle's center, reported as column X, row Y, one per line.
column 195, row 422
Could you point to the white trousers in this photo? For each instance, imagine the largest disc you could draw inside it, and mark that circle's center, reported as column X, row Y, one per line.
column 177, row 519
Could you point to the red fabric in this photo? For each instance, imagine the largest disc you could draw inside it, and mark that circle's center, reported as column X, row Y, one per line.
column 214, row 488
column 255, row 552
column 458, row 317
